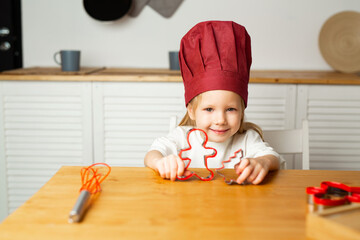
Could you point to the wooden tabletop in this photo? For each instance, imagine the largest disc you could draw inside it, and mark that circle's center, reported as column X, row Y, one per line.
column 104, row 74
column 137, row 204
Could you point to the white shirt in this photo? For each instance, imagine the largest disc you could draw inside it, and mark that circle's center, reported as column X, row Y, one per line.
column 249, row 142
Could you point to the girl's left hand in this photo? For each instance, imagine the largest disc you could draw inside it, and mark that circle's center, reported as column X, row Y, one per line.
column 252, row 170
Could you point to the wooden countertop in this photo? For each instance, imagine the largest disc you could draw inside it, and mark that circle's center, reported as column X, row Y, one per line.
column 163, row 75
column 137, row 204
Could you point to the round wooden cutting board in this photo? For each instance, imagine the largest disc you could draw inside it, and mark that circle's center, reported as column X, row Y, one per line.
column 339, row 41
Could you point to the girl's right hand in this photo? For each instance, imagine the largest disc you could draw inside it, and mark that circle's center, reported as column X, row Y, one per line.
column 170, row 167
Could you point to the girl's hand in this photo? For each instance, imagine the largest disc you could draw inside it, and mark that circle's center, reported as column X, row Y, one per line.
column 170, row 167
column 252, row 170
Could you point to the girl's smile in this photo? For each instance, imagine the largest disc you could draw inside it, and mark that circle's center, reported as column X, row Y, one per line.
column 219, row 131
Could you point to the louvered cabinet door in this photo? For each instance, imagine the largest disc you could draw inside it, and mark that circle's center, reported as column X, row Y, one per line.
column 272, row 106
column 334, row 125
column 43, row 125
column 129, row 116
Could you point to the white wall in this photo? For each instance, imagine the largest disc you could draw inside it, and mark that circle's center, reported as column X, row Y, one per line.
column 284, row 33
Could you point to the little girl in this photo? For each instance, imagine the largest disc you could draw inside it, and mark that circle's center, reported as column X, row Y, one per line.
column 215, row 59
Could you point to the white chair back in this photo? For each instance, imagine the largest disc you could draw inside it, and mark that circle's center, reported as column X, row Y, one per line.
column 172, row 123
column 291, row 141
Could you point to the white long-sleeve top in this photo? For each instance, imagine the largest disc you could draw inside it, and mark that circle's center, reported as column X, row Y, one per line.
column 249, row 142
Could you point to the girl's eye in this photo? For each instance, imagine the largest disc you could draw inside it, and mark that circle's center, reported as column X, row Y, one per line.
column 208, row 109
column 231, row 109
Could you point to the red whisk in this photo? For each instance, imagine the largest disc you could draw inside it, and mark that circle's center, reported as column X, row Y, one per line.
column 91, row 178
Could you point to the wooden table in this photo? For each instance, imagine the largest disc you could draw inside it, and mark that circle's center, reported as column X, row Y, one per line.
column 138, row 204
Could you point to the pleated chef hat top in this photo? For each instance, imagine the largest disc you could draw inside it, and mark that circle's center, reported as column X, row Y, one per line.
column 215, row 55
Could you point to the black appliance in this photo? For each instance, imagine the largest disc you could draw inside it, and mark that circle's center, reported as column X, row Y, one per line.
column 10, row 35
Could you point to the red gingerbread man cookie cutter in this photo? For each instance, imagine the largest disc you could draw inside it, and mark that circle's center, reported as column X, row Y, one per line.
column 206, row 157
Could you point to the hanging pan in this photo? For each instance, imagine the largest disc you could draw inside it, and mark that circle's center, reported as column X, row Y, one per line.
column 107, row 10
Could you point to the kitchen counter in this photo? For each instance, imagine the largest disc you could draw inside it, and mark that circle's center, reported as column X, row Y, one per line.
column 103, row 74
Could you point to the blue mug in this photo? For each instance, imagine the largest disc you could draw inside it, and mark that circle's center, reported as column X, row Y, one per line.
column 69, row 60
column 174, row 60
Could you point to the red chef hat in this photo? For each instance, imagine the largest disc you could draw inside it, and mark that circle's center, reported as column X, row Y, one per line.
column 215, row 55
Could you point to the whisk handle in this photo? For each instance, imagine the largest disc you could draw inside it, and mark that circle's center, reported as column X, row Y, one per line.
column 78, row 211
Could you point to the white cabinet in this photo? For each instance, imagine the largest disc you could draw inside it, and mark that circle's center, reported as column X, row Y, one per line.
column 43, row 125
column 128, row 116
column 334, row 122
column 272, row 106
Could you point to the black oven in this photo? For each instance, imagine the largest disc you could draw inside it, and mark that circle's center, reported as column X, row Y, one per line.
column 10, row 35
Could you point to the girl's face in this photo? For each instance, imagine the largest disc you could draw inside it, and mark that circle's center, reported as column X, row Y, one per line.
column 218, row 113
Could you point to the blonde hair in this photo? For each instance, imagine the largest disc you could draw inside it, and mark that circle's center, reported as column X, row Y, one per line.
column 244, row 126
